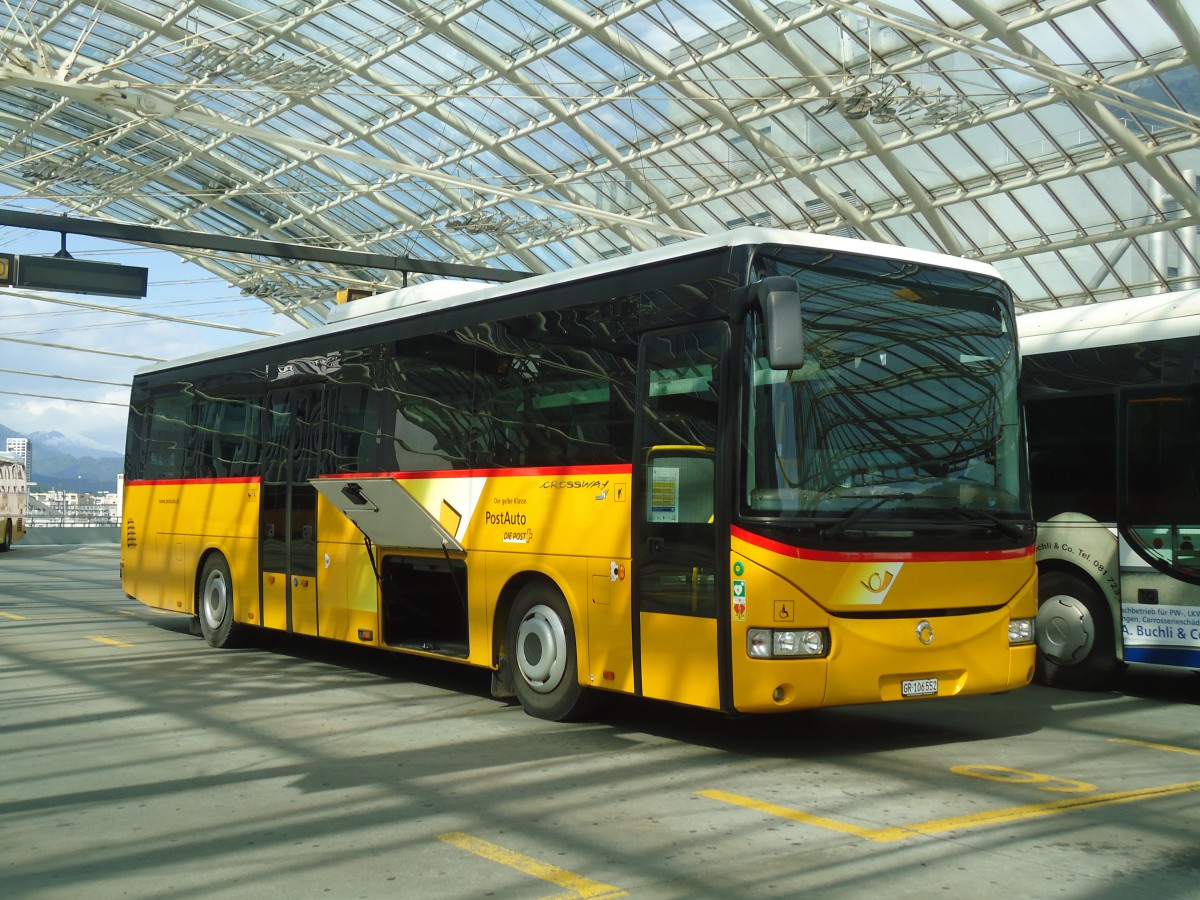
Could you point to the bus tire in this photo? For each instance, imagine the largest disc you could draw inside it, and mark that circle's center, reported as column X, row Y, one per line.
column 541, row 654
column 214, row 604
column 1075, row 635
column 6, row 541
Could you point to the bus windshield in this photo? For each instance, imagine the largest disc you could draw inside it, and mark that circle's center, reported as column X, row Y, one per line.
column 904, row 413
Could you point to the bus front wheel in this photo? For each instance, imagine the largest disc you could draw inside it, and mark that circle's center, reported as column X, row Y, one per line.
column 214, row 604
column 541, row 654
column 1075, row 635
column 6, row 538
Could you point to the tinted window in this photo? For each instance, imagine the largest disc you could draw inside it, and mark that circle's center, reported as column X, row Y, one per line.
column 430, row 382
column 1073, row 456
column 167, row 421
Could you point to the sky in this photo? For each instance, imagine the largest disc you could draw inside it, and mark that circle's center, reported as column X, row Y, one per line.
column 95, row 413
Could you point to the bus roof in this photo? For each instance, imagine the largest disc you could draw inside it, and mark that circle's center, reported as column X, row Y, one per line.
column 432, row 297
column 1153, row 318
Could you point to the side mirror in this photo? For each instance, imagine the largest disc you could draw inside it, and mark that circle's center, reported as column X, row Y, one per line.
column 779, row 297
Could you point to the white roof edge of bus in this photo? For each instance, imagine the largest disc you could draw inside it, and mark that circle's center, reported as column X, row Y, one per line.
column 748, row 234
column 1155, row 317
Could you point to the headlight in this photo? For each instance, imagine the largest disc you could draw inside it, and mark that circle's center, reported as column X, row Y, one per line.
column 1020, row 631
column 769, row 643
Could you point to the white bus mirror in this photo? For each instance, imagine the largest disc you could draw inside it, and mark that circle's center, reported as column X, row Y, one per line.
column 779, row 297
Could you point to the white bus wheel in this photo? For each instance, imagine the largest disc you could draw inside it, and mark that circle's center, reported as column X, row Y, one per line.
column 214, row 604
column 541, row 654
column 1075, row 634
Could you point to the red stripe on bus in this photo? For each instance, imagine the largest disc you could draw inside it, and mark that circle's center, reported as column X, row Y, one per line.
column 848, row 556
column 529, row 471
column 152, row 482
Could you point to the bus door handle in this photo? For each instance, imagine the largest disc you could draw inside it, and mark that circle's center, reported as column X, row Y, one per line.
column 655, row 545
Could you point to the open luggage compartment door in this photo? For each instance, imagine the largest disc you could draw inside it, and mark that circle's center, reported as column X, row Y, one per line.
column 387, row 513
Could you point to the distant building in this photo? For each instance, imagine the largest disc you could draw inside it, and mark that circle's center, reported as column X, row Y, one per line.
column 73, row 509
column 22, row 448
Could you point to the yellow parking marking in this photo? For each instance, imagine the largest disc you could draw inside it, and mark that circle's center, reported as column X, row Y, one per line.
column 1151, row 746
column 958, row 823
column 1030, row 811
column 576, row 884
column 784, row 812
column 113, row 642
column 8, row 615
column 1020, row 776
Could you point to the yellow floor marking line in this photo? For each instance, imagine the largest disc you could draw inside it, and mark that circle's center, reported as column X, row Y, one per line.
column 1151, row 746
column 13, row 616
column 957, row 823
column 113, row 642
column 576, row 884
column 1031, row 811
column 784, row 812
column 1007, row 775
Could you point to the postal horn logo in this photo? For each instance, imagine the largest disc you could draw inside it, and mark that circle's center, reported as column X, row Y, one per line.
column 879, row 582
column 869, row 585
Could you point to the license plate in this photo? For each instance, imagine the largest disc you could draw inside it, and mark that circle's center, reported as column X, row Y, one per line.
column 918, row 687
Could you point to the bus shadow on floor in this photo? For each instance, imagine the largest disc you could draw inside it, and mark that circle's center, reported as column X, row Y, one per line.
column 1160, row 683
column 814, row 734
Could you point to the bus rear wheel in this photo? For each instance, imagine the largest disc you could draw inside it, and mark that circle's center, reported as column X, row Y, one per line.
column 541, row 655
column 214, row 604
column 1075, row 637
column 6, row 539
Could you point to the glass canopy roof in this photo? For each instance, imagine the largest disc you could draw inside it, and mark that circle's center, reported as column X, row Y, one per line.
column 1056, row 139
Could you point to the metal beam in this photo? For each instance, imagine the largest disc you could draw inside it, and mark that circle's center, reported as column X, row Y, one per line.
column 148, row 234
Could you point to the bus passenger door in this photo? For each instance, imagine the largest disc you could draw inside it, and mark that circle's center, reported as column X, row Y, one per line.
column 676, row 565
column 288, row 523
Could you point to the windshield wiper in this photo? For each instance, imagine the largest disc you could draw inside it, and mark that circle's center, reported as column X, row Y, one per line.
column 1009, row 528
column 834, row 529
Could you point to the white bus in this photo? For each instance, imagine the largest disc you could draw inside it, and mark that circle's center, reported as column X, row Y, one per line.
column 14, row 499
column 1112, row 401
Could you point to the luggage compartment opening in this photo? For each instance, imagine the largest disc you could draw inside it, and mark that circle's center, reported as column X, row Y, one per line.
column 424, row 604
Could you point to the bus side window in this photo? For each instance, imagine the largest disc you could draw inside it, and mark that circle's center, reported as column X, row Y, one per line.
column 135, row 442
column 556, row 388
column 1073, row 455
column 354, row 428
column 208, row 452
column 1162, row 458
column 429, row 391
column 543, row 414
column 240, row 434
column 166, row 436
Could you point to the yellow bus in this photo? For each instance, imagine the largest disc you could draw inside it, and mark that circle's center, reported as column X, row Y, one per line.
column 754, row 472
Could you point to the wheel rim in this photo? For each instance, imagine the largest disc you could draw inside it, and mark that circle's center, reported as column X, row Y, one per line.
column 541, row 649
column 1065, row 630
column 214, row 599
